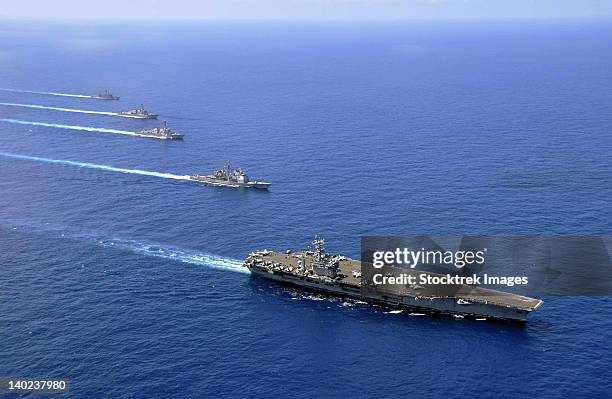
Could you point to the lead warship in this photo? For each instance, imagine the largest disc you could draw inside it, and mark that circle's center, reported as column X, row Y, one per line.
column 340, row 276
column 163, row 132
column 226, row 178
column 107, row 95
column 138, row 113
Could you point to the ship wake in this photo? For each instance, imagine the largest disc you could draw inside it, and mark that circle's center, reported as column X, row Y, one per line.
column 74, row 127
column 94, row 166
column 139, row 247
column 47, row 93
column 176, row 254
column 80, row 111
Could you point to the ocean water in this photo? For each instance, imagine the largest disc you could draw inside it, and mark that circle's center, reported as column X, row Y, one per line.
column 130, row 284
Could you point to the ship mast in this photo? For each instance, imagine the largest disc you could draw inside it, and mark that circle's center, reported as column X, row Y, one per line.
column 228, row 170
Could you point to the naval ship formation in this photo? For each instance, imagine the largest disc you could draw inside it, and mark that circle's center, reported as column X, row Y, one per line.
column 339, row 276
column 224, row 177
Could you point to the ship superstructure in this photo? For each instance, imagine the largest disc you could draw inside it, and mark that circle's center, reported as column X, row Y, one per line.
column 340, row 276
column 227, row 178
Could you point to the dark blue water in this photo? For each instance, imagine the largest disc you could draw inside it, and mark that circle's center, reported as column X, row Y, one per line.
column 131, row 286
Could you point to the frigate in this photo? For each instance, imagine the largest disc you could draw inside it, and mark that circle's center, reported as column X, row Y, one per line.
column 107, row 95
column 226, row 178
column 138, row 113
column 337, row 275
column 163, row 132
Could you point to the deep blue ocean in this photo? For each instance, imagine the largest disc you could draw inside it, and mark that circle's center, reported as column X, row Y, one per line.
column 131, row 286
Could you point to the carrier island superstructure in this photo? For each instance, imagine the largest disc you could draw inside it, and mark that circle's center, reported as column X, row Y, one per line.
column 340, row 276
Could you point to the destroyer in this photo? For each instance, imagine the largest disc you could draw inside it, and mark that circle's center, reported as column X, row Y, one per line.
column 226, row 178
column 340, row 276
column 138, row 113
column 163, row 132
column 107, row 95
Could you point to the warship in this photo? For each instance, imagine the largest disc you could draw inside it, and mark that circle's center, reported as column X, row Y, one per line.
column 138, row 113
column 163, row 132
column 226, row 178
column 105, row 96
column 336, row 275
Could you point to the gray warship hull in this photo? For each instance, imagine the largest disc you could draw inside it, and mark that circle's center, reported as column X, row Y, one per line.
column 468, row 301
column 225, row 183
column 138, row 113
column 136, row 116
column 109, row 98
column 162, row 133
column 161, row 137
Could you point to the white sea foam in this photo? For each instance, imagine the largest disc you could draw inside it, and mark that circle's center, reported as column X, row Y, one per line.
column 73, row 127
column 95, row 166
column 48, row 93
column 177, row 254
column 80, row 111
column 144, row 248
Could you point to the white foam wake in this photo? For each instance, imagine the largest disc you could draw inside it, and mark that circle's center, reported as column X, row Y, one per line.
column 95, row 166
column 80, row 111
column 48, row 93
column 177, row 254
column 73, row 127
column 136, row 246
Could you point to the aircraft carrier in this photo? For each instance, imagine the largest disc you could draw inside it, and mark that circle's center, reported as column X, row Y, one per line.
column 105, row 96
column 163, row 132
column 226, row 178
column 138, row 113
column 339, row 276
